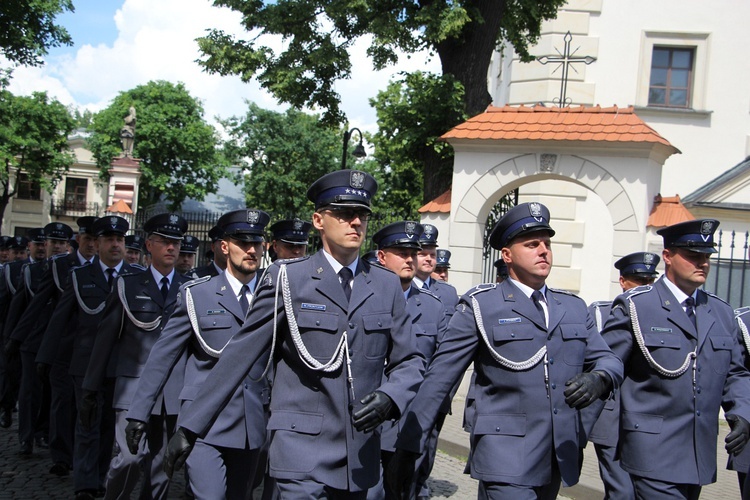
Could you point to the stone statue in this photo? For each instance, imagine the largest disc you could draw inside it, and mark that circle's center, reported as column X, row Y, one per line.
column 127, row 133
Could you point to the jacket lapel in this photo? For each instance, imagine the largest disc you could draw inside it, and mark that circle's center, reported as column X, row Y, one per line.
column 326, row 281
column 555, row 310
column 703, row 317
column 361, row 289
column 675, row 312
column 151, row 288
column 521, row 304
column 226, row 298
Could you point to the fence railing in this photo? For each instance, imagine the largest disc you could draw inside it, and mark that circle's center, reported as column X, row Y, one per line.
column 74, row 208
column 729, row 269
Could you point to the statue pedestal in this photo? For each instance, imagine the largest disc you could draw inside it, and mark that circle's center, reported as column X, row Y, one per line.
column 124, row 179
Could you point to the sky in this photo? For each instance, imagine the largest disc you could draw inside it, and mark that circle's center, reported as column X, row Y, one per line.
column 120, row 44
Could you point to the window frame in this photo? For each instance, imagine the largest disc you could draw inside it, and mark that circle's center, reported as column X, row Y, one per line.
column 698, row 42
column 28, row 189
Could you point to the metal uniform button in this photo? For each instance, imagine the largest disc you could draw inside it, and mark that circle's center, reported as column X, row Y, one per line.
column 553, row 385
column 513, row 335
column 497, row 429
column 294, row 426
column 637, row 425
column 351, row 325
column 552, row 361
column 554, row 410
column 380, row 323
column 317, row 323
column 698, row 413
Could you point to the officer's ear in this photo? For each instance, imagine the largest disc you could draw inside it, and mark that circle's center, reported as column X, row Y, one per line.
column 317, row 220
column 225, row 247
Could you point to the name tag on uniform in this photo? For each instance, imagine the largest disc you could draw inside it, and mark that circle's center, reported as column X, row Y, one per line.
column 504, row 321
column 661, row 329
column 314, row 307
column 215, row 311
column 143, row 297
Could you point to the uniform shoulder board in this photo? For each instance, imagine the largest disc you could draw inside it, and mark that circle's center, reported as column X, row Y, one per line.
column 601, row 303
column 59, row 256
column 560, row 290
column 196, row 281
column 717, row 297
column 426, row 292
column 293, row 261
column 483, row 287
column 638, row 290
column 742, row 310
column 138, row 266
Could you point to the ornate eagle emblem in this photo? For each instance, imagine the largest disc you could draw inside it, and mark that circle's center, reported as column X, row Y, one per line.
column 357, row 179
column 173, row 219
column 535, row 209
column 253, row 216
column 707, row 227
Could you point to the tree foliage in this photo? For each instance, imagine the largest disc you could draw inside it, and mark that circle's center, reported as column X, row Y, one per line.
column 28, row 29
column 177, row 147
column 412, row 113
column 280, row 155
column 316, row 36
column 34, row 140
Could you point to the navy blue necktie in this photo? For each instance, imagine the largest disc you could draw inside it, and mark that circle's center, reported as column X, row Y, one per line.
column 345, row 275
column 537, row 298
column 243, row 299
column 690, row 310
column 164, row 287
column 110, row 276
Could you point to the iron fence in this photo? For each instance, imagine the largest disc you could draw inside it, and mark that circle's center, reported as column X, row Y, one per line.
column 729, row 269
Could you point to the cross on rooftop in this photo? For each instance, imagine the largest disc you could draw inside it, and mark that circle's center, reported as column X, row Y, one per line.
column 566, row 59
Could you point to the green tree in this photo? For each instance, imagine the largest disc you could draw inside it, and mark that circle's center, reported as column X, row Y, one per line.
column 28, row 29
column 412, row 113
column 280, row 155
column 177, row 148
column 318, row 33
column 33, row 140
column 83, row 118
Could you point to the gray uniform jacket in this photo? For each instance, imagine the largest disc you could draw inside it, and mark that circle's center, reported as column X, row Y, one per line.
column 741, row 462
column 312, row 436
column 520, row 421
column 29, row 285
column 601, row 419
column 80, row 308
column 429, row 324
column 207, row 270
column 218, row 316
column 447, row 294
column 146, row 305
column 669, row 425
column 33, row 323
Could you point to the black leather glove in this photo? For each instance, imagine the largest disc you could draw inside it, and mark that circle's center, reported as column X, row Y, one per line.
column 178, row 449
column 12, row 347
column 585, row 388
column 42, row 371
column 400, row 474
column 89, row 409
column 133, row 433
column 377, row 408
column 737, row 438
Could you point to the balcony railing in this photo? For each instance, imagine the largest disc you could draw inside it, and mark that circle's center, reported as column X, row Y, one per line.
column 74, row 208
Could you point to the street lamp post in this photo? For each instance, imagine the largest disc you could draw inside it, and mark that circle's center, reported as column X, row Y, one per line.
column 359, row 149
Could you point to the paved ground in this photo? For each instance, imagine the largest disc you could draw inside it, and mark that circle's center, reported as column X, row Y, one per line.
column 28, row 478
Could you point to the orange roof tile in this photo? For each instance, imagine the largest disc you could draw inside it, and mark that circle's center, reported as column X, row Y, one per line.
column 620, row 125
column 667, row 211
column 441, row 204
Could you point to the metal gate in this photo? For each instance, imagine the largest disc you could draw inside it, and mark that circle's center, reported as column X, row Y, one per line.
column 729, row 269
column 489, row 254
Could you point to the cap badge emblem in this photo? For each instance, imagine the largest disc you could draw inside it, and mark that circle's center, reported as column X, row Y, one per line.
column 58, row 226
column 173, row 219
column 357, row 179
column 648, row 259
column 409, row 228
column 428, row 230
column 113, row 221
column 535, row 209
column 298, row 225
column 253, row 216
column 707, row 227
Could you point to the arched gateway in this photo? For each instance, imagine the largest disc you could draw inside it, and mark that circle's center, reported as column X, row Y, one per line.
column 609, row 152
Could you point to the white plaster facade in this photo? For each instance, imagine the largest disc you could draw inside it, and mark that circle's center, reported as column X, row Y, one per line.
column 713, row 134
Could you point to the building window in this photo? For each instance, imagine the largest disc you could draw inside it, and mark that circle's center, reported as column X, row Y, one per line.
column 75, row 193
column 28, row 189
column 672, row 72
column 671, row 77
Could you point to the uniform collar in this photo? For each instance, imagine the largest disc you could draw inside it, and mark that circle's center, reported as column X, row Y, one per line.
column 158, row 276
column 527, row 290
column 337, row 266
column 679, row 294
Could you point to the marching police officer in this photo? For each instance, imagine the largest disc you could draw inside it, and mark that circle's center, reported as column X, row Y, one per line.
column 682, row 360
column 25, row 336
column 133, row 318
column 530, row 344
column 188, row 251
column 209, row 312
column 398, row 244
column 333, row 323
column 290, row 238
column 601, row 420
column 426, row 266
column 75, row 322
column 134, row 248
column 5, row 249
column 442, row 264
column 219, row 262
column 31, row 327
